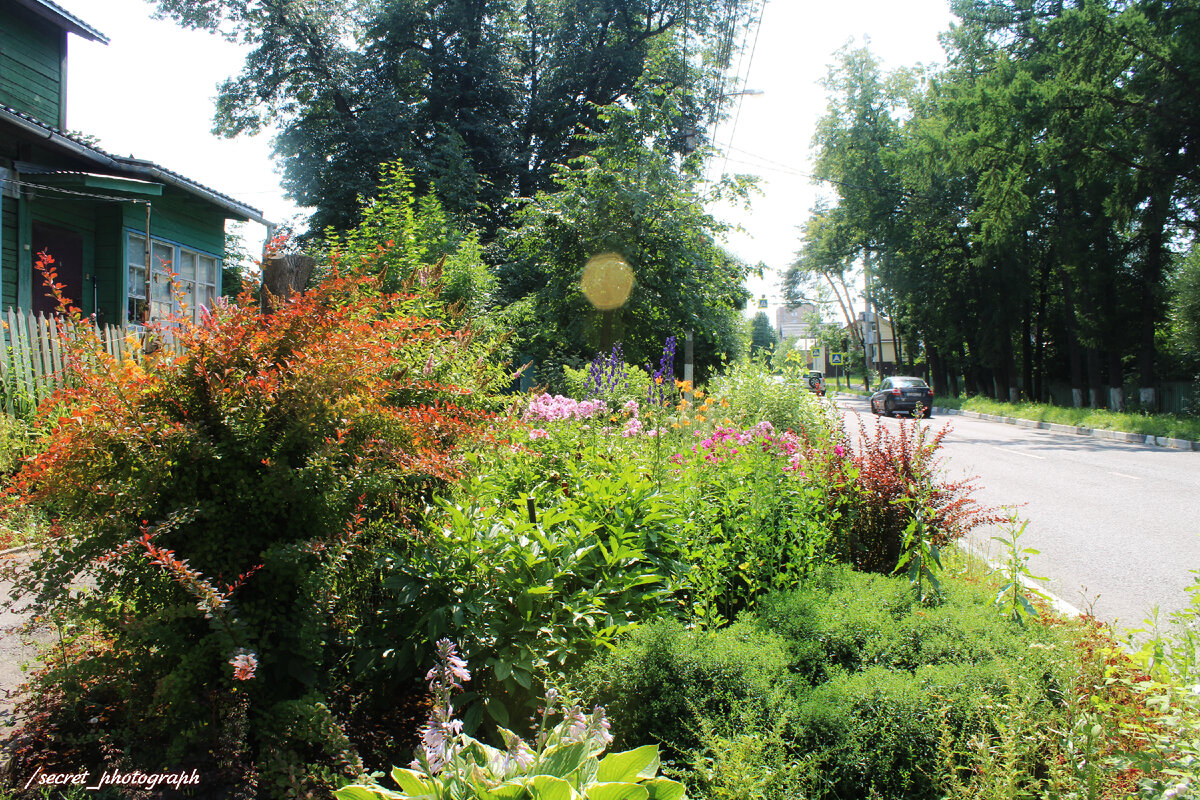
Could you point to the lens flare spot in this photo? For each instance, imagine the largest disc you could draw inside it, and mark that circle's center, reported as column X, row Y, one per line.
column 607, row 281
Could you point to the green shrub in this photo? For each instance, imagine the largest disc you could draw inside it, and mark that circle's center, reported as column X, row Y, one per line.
column 845, row 687
column 632, row 386
column 666, row 683
column 755, row 395
column 526, row 599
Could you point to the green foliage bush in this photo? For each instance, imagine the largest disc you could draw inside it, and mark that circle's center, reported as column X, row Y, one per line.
column 847, row 686
column 633, row 387
column 665, row 682
column 756, row 395
column 527, row 600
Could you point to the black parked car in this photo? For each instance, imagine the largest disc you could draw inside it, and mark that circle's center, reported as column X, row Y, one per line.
column 902, row 395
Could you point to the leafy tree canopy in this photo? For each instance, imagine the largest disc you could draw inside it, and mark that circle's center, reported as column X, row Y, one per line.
column 628, row 197
column 481, row 99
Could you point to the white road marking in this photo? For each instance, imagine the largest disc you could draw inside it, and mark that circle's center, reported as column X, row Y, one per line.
column 1019, row 453
column 1123, row 475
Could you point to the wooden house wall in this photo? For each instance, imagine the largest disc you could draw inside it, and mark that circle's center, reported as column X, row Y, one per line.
column 8, row 251
column 31, row 57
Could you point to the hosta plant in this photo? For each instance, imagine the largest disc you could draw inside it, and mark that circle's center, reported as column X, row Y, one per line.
column 563, row 762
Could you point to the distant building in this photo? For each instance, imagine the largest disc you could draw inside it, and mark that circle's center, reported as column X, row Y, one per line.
column 880, row 341
column 797, row 322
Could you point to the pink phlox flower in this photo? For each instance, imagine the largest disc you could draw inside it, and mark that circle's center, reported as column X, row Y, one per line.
column 539, row 433
column 839, row 451
column 632, row 428
column 630, row 407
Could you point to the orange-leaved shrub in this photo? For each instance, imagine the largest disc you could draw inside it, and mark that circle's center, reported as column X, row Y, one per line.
column 219, row 504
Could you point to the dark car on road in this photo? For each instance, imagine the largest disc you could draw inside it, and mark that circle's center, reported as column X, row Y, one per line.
column 902, row 395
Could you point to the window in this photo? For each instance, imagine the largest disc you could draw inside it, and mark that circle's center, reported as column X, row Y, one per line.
column 195, row 283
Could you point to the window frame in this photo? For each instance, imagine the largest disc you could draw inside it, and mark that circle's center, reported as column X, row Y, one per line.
column 135, row 290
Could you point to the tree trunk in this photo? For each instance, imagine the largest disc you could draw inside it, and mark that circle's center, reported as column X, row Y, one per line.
column 1116, row 382
column 1152, row 275
column 284, row 276
column 1074, row 352
column 1027, row 352
column 1095, row 379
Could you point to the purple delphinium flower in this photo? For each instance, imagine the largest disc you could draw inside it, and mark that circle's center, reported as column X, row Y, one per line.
column 606, row 374
column 662, row 379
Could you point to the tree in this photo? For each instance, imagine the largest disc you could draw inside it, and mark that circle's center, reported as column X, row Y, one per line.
column 1185, row 302
column 628, row 197
column 762, row 335
column 481, row 99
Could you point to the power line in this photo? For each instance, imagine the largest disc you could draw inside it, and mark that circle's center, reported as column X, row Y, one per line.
column 745, row 80
column 43, row 187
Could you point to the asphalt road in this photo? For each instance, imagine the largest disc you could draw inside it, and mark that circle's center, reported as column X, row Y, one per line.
column 1118, row 525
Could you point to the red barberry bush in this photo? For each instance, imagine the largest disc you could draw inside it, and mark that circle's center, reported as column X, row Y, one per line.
column 894, row 471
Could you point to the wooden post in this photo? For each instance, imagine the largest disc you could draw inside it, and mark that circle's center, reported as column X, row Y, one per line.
column 689, row 357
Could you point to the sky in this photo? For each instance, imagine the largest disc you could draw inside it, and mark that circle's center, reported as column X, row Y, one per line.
column 149, row 93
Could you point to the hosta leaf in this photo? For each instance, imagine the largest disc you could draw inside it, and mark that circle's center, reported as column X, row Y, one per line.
column 561, row 760
column 357, row 792
column 507, row 791
column 630, row 765
column 616, row 791
column 413, row 783
column 664, row 789
column 547, row 787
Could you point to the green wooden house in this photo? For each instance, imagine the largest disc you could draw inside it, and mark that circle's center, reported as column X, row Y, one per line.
column 89, row 209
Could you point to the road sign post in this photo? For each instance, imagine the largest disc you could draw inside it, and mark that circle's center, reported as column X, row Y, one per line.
column 835, row 361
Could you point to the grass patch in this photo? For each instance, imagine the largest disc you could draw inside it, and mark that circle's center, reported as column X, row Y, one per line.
column 1169, row 425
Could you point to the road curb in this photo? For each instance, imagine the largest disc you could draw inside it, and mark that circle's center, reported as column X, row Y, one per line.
column 1147, row 440
column 1056, row 602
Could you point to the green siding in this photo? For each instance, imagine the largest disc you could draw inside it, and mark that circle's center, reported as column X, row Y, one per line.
column 31, row 53
column 8, row 252
column 110, row 254
column 174, row 219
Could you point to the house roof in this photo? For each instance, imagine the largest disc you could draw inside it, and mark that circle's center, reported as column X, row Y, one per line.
column 48, row 9
column 126, row 166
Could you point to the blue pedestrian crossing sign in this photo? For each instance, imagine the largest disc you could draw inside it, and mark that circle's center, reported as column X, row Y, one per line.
column 835, row 358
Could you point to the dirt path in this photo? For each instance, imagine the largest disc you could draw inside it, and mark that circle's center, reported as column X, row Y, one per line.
column 13, row 648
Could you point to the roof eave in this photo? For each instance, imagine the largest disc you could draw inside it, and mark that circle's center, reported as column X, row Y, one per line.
column 52, row 12
column 148, row 169
column 236, row 210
